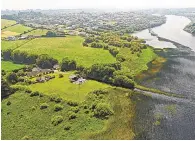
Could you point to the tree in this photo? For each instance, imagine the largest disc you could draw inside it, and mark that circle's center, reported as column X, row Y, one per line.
column 46, row 62
column 123, row 81
column 68, row 64
column 6, row 54
column 51, row 34
column 12, row 78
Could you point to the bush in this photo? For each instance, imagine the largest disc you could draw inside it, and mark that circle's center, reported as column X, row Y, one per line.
column 67, row 127
column 9, row 103
column 123, row 81
column 26, row 138
column 56, row 120
column 28, row 91
column 100, row 91
column 33, row 108
column 44, row 106
column 36, row 93
column 74, row 109
column 71, row 115
column 12, row 78
column 58, row 107
column 61, row 75
column 103, row 111
column 56, row 99
column 72, row 103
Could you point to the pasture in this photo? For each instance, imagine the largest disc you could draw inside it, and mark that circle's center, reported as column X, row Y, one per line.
column 71, row 47
column 12, row 44
column 7, row 23
column 37, row 32
column 9, row 66
column 63, row 88
column 17, row 29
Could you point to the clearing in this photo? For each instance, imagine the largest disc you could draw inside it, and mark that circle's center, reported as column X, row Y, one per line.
column 17, row 29
column 63, row 88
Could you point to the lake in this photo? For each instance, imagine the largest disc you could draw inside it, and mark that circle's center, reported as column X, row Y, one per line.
column 172, row 30
column 158, row 117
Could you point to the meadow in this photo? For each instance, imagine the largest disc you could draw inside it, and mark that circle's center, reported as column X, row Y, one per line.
column 63, row 88
column 10, row 66
column 22, row 118
column 71, row 47
column 134, row 64
column 37, row 32
column 12, row 44
column 17, row 29
column 6, row 23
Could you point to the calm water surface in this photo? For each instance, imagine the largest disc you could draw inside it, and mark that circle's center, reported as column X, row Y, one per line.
column 158, row 117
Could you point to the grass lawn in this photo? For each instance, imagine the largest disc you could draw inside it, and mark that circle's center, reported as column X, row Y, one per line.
column 10, row 66
column 37, row 32
column 65, row 89
column 134, row 64
column 6, row 23
column 17, row 28
column 71, row 47
column 12, row 44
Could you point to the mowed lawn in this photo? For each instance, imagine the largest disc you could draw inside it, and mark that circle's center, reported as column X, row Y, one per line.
column 10, row 66
column 71, row 47
column 134, row 64
column 63, row 88
column 6, row 23
column 17, row 28
column 12, row 44
column 37, row 32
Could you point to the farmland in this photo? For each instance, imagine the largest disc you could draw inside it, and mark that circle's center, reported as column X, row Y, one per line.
column 63, row 88
column 12, row 44
column 37, row 32
column 9, row 66
column 6, row 23
column 17, row 29
column 71, row 47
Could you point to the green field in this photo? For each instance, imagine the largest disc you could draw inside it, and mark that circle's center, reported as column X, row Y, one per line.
column 71, row 47
column 24, row 119
column 134, row 64
column 17, row 28
column 63, row 88
column 9, row 66
column 37, row 32
column 6, row 23
column 12, row 44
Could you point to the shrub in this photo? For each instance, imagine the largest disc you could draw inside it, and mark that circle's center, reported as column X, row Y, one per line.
column 58, row 107
column 56, row 99
column 36, row 93
column 8, row 103
column 26, row 138
column 33, row 108
column 61, row 75
column 74, row 109
column 44, row 106
column 12, row 78
column 28, row 91
column 56, row 120
column 67, row 127
column 71, row 115
column 72, row 103
column 103, row 111
column 68, row 64
column 100, row 91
